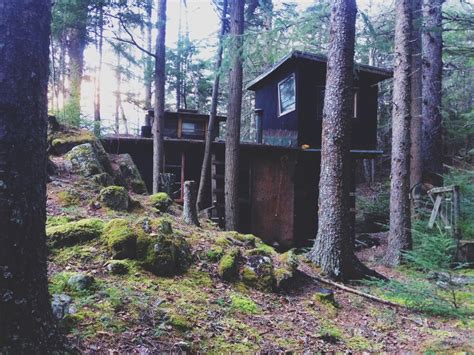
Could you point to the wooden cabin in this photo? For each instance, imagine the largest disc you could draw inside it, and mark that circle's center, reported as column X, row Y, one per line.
column 279, row 174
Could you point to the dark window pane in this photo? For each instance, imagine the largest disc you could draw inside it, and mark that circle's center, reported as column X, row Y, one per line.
column 287, row 94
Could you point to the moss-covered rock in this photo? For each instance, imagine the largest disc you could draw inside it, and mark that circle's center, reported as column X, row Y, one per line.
column 72, row 233
column 127, row 173
column 103, row 179
column 228, row 268
column 214, row 254
column 258, row 273
column 114, row 197
column 162, row 225
column 80, row 282
column 121, row 238
column 285, row 269
column 69, row 197
column 165, row 254
column 118, row 267
column 84, row 160
column 66, row 138
column 161, row 201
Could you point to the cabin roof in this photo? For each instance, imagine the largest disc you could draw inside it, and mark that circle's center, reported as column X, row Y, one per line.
column 189, row 114
column 379, row 74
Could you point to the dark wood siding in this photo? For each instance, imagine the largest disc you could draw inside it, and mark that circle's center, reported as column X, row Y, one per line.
column 277, row 130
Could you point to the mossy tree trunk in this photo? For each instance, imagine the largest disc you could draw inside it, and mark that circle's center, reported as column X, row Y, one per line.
column 400, row 215
column 26, row 319
column 189, row 209
column 333, row 247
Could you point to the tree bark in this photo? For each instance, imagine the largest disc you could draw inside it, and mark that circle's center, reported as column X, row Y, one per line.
column 189, row 209
column 432, row 66
column 400, row 220
column 159, row 121
column 118, row 89
column 149, row 59
column 26, row 320
column 97, row 101
column 416, row 162
column 333, row 247
column 204, row 182
column 231, row 178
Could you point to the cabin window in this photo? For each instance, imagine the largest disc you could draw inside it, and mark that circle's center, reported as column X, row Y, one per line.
column 286, row 95
column 191, row 129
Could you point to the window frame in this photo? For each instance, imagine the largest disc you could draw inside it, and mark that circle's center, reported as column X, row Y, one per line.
column 291, row 76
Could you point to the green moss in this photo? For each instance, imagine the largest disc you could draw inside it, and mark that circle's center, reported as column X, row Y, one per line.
column 179, row 322
column 330, row 333
column 103, row 179
column 263, row 249
column 162, row 225
column 286, row 266
column 166, row 254
column 249, row 276
column 258, row 273
column 228, row 267
column 118, row 267
column 114, row 197
column 161, row 201
column 248, row 239
column 74, row 232
column 63, row 141
column 359, row 343
column 58, row 282
column 243, row 304
column 214, row 254
column 53, row 221
column 84, row 160
column 69, row 198
column 121, row 238
column 222, row 241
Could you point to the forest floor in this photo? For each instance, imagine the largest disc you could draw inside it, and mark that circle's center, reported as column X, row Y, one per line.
column 199, row 312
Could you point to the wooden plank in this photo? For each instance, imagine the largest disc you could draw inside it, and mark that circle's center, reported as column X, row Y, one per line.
column 437, row 190
column 435, row 211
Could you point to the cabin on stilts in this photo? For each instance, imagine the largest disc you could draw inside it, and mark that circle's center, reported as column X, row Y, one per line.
column 279, row 172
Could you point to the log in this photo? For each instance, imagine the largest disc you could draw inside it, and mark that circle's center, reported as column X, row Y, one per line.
column 189, row 208
column 310, row 273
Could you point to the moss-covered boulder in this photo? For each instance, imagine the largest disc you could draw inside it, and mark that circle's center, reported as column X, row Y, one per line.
column 165, row 253
column 103, row 179
column 257, row 273
column 80, row 282
column 121, row 238
column 126, row 172
column 286, row 265
column 228, row 268
column 64, row 138
column 161, row 201
column 84, row 160
column 72, row 233
column 118, row 267
column 114, row 197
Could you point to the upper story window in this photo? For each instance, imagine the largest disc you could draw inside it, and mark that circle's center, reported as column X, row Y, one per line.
column 286, row 95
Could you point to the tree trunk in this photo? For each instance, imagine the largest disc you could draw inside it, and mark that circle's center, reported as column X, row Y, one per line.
column 231, row 181
column 118, row 89
column 149, row 59
column 27, row 324
column 97, row 101
column 159, row 121
column 333, row 248
column 400, row 224
column 189, row 208
column 204, row 182
column 432, row 43
column 416, row 162
column 76, row 46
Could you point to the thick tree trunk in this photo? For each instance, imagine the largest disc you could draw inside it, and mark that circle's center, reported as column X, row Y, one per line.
column 97, row 101
column 432, row 44
column 159, row 121
column 416, row 162
column 204, row 182
column 149, row 59
column 231, row 181
column 189, row 207
column 333, row 248
column 26, row 320
column 400, row 219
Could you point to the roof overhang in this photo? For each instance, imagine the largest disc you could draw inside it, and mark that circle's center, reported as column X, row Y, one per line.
column 380, row 73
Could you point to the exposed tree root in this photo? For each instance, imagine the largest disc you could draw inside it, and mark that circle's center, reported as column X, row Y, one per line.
column 305, row 269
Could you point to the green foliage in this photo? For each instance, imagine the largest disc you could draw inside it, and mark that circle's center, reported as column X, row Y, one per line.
column 431, row 250
column 465, row 180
